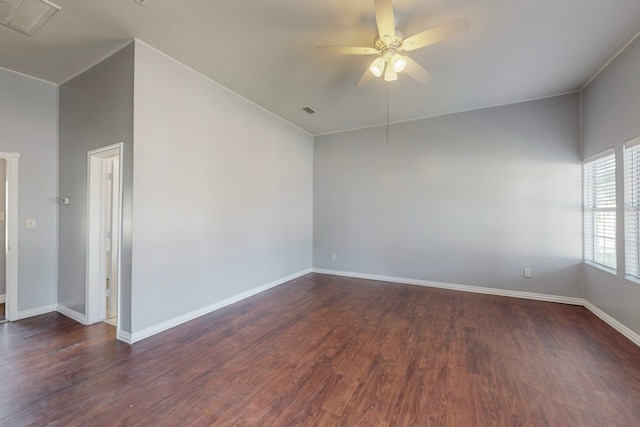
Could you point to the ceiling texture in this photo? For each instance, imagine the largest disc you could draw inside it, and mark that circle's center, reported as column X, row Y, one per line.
column 265, row 50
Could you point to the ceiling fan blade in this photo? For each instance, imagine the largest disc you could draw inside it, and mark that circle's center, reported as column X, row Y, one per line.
column 416, row 71
column 385, row 20
column 436, row 34
column 346, row 50
column 366, row 78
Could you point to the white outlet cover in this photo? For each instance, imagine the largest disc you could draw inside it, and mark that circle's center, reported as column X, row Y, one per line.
column 30, row 223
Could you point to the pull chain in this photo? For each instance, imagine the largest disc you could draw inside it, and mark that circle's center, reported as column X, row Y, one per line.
column 387, row 113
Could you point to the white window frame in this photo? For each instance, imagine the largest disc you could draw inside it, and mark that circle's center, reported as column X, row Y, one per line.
column 632, row 207
column 599, row 209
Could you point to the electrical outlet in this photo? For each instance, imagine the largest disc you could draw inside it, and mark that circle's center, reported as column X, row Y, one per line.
column 333, row 256
column 527, row 272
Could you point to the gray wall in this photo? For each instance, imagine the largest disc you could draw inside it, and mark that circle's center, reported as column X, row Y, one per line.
column 29, row 126
column 222, row 193
column 96, row 110
column 468, row 198
column 611, row 116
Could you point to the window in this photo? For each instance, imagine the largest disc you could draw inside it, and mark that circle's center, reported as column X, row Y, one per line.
column 600, row 210
column 632, row 209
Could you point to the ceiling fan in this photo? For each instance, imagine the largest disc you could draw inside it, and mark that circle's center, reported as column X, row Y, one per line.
column 390, row 45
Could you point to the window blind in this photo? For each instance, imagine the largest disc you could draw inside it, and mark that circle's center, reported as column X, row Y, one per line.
column 600, row 211
column 632, row 210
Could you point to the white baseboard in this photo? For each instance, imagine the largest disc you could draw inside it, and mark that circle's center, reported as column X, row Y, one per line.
column 145, row 333
column 171, row 323
column 3, row 298
column 72, row 314
column 454, row 287
column 635, row 338
column 631, row 335
column 81, row 318
column 37, row 311
column 125, row 337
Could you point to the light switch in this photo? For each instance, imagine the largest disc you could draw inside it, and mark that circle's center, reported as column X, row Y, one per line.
column 30, row 223
column 2, row 216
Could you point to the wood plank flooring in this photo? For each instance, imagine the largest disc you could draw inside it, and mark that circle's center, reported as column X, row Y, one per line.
column 330, row 351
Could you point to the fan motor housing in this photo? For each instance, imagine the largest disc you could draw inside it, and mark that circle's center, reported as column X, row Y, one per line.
column 395, row 42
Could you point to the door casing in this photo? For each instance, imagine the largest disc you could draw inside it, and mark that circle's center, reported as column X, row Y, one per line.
column 96, row 249
column 11, row 236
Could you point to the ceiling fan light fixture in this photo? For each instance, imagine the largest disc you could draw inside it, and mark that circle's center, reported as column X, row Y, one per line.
column 390, row 45
column 398, row 63
column 390, row 75
column 377, row 66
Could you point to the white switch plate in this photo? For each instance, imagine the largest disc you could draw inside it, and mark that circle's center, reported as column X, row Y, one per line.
column 30, row 223
column 333, row 256
column 2, row 216
column 527, row 272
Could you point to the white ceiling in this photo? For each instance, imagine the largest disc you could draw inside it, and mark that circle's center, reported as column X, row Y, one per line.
column 514, row 50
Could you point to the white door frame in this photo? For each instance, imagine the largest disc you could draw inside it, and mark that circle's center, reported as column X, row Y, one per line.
column 11, row 236
column 96, row 240
column 114, row 282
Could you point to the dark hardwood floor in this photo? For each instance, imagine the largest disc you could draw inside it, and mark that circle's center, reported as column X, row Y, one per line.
column 330, row 351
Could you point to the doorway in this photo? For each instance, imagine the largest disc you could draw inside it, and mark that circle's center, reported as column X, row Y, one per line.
column 9, row 235
column 104, row 219
column 3, row 255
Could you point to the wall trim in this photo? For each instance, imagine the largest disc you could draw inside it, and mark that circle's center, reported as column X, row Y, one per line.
column 124, row 337
column 450, row 113
column 27, row 76
column 217, row 83
column 454, row 287
column 613, row 58
column 102, row 58
column 635, row 338
column 161, row 327
column 36, row 311
column 171, row 323
column 72, row 314
column 12, row 249
column 3, row 298
column 628, row 333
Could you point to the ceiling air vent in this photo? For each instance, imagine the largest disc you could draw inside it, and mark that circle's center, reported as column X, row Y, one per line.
column 308, row 110
column 26, row 16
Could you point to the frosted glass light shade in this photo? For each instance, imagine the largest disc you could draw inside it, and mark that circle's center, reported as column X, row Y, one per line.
column 398, row 62
column 377, row 67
